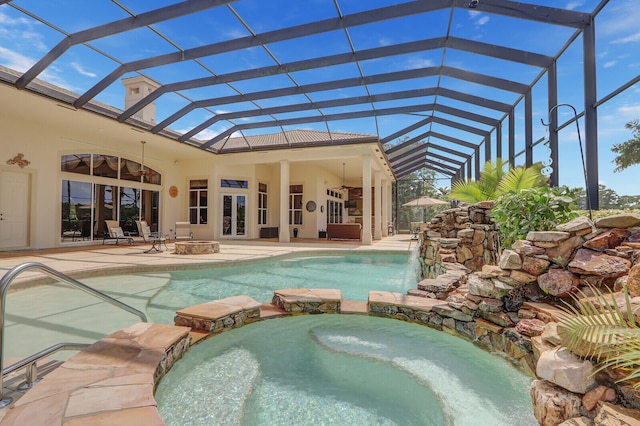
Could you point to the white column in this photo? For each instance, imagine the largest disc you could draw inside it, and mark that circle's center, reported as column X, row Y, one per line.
column 385, row 208
column 284, row 202
column 366, row 200
column 377, row 226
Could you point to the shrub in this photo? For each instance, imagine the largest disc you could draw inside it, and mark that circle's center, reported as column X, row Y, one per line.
column 597, row 214
column 534, row 209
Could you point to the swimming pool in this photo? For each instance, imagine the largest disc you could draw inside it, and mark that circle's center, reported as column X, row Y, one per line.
column 354, row 274
column 342, row 369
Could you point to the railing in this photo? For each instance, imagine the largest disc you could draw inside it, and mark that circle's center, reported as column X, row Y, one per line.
column 31, row 374
column 6, row 281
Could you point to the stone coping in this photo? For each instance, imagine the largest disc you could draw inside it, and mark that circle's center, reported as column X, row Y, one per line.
column 219, row 308
column 113, row 381
column 110, row 382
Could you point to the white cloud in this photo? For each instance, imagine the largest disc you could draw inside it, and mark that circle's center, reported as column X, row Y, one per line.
column 629, row 39
column 610, row 64
column 15, row 60
column 478, row 18
column 482, row 20
column 385, row 41
column 622, row 17
column 6, row 20
column 204, row 135
column 76, row 66
column 574, row 4
column 630, row 111
column 415, row 63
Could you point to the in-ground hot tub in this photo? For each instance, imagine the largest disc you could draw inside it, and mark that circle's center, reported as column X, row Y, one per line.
column 342, row 369
column 197, row 247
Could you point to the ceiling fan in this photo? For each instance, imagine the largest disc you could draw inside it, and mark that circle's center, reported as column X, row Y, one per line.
column 142, row 172
column 344, row 187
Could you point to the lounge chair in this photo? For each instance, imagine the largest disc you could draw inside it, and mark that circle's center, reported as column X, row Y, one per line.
column 183, row 231
column 116, row 233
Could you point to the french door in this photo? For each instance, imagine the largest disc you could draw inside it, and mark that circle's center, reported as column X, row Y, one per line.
column 234, row 212
column 14, row 209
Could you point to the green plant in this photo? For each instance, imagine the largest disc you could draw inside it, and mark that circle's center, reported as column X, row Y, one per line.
column 597, row 329
column 494, row 181
column 533, row 209
column 628, row 151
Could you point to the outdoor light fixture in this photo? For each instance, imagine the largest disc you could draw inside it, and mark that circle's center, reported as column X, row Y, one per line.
column 473, row 4
column 584, row 167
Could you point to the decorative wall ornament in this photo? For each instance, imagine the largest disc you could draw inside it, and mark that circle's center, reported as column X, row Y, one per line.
column 19, row 160
column 173, row 191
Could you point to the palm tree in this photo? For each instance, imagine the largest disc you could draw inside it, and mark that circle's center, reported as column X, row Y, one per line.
column 494, row 182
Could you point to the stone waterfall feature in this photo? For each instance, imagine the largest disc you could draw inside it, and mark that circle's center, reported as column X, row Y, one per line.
column 507, row 301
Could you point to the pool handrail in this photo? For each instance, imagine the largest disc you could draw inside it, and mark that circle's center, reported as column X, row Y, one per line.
column 11, row 275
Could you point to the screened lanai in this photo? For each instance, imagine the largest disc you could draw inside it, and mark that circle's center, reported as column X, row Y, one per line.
column 441, row 84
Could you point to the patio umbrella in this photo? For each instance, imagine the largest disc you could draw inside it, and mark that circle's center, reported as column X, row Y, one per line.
column 424, row 201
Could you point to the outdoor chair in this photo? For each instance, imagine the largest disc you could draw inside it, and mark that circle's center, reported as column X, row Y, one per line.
column 116, row 233
column 144, row 230
column 183, row 231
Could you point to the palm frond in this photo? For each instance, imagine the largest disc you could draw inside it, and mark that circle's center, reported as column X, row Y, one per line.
column 467, row 191
column 492, row 174
column 597, row 329
column 517, row 179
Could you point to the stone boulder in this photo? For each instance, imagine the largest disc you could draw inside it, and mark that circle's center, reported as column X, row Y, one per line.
column 609, row 414
column 625, row 220
column 577, row 225
column 534, row 265
column 558, row 282
column 510, row 260
column 561, row 254
column 526, row 248
column 577, row 421
column 633, row 281
column 607, row 240
column 547, row 236
column 589, row 262
column 550, row 334
column 483, row 287
column 566, row 370
column 553, row 405
column 530, row 327
column 600, row 393
column 490, row 305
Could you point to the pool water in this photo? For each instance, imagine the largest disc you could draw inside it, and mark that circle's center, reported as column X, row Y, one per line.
column 342, row 370
column 354, row 274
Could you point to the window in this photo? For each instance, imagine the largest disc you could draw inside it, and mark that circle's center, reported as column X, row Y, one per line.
column 295, row 204
column 262, row 204
column 86, row 206
column 109, row 166
column 335, row 194
column 234, row 183
column 334, row 207
column 88, row 200
column 198, row 201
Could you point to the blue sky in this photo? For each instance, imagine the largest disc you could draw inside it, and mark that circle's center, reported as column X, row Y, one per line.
column 24, row 40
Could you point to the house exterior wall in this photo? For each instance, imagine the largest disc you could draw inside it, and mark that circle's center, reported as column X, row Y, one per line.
column 43, row 130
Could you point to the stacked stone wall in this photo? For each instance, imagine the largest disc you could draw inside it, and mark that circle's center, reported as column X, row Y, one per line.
column 511, row 304
column 464, row 235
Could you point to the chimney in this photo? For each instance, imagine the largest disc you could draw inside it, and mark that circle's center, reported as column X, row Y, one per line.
column 138, row 88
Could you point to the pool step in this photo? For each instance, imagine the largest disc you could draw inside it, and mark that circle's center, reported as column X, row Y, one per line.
column 308, row 301
column 220, row 315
